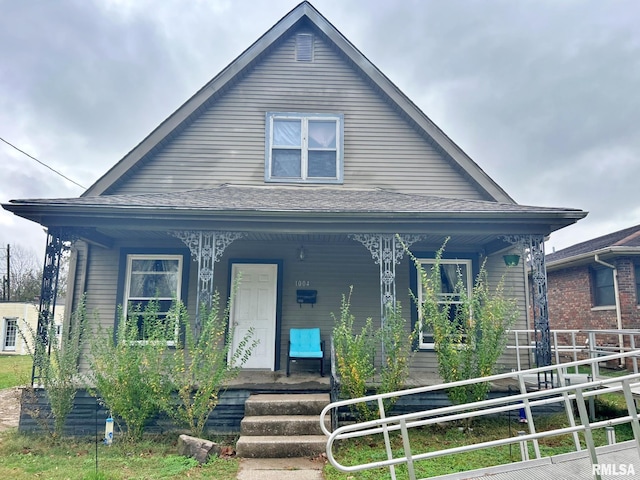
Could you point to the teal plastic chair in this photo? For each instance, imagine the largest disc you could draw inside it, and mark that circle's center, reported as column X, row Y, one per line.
column 304, row 344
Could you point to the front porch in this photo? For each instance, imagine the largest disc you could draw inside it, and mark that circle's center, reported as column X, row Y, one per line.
column 375, row 264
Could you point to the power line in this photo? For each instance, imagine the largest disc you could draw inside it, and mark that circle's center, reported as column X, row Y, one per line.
column 43, row 164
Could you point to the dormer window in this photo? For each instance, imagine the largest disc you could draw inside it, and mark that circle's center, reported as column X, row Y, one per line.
column 304, row 147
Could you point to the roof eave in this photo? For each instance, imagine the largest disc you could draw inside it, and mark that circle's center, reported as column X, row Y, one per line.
column 542, row 222
column 588, row 257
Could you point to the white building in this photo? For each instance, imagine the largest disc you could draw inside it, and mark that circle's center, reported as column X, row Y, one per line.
column 17, row 317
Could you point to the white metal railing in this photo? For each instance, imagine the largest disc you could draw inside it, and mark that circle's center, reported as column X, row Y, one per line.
column 565, row 395
column 571, row 345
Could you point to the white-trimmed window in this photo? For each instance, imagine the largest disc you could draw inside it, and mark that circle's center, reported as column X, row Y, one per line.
column 10, row 334
column 152, row 278
column 603, row 287
column 304, row 147
column 451, row 271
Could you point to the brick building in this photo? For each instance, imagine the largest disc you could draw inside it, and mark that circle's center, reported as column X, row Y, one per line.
column 596, row 284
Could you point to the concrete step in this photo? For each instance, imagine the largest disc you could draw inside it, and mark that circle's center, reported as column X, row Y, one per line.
column 282, row 425
column 274, row 446
column 286, row 404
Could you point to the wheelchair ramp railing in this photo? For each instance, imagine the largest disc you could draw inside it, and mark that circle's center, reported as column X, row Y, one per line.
column 574, row 345
column 566, row 394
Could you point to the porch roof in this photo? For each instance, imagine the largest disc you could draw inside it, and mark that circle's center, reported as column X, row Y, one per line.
column 294, row 208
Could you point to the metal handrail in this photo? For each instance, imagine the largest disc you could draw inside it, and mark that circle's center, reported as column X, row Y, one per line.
column 559, row 349
column 564, row 393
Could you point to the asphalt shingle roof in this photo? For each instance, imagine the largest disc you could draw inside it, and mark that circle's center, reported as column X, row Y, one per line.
column 628, row 237
column 296, row 199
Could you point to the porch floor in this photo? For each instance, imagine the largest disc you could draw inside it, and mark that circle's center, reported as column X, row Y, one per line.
column 305, row 381
column 271, row 381
column 267, row 380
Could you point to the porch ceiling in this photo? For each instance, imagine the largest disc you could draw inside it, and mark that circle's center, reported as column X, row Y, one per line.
column 474, row 242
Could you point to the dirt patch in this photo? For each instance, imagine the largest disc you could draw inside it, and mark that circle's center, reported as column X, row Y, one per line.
column 9, row 408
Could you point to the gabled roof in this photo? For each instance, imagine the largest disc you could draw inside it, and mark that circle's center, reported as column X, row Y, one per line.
column 622, row 242
column 303, row 12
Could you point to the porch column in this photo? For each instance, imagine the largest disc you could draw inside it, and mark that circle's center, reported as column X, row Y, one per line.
column 533, row 245
column 386, row 250
column 48, row 293
column 206, row 248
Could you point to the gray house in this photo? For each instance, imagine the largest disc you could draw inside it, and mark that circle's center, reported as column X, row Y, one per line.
column 296, row 166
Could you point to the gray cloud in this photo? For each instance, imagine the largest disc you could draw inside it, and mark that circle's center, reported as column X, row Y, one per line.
column 541, row 94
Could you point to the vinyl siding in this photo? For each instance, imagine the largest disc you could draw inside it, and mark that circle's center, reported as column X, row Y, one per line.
column 101, row 291
column 514, row 286
column 225, row 143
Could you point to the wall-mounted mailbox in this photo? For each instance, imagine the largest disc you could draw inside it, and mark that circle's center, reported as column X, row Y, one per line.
column 306, row 296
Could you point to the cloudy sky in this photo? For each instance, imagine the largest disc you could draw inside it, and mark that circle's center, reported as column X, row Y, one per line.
column 543, row 94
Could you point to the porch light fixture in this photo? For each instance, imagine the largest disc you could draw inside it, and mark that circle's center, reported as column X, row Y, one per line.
column 511, row 260
column 301, row 254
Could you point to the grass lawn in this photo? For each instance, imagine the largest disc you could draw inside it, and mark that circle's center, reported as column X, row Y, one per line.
column 25, row 456
column 14, row 370
column 30, row 456
column 433, row 438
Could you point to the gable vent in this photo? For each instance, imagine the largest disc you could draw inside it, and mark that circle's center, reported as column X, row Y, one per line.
column 304, row 47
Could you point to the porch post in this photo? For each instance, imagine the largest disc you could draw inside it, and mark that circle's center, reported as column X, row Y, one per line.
column 48, row 294
column 206, row 248
column 534, row 246
column 386, row 250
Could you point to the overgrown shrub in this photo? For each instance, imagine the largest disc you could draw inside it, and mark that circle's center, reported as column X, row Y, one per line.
column 355, row 356
column 397, row 348
column 137, row 374
column 198, row 368
column 56, row 364
column 469, row 345
column 126, row 373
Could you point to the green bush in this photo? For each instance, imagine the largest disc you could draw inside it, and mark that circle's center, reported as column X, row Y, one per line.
column 56, row 364
column 470, row 345
column 397, row 348
column 137, row 373
column 199, row 368
column 126, row 373
column 355, row 356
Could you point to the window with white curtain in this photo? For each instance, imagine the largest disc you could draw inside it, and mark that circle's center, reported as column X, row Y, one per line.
column 451, row 271
column 303, row 147
column 152, row 278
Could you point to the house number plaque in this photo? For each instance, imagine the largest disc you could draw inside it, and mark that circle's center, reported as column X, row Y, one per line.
column 303, row 283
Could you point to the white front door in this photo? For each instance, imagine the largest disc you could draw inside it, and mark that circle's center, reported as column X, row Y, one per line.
column 254, row 306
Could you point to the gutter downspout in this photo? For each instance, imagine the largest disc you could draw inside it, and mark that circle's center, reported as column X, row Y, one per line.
column 616, row 292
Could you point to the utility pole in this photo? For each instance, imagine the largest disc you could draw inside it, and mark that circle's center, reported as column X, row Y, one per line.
column 8, row 272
